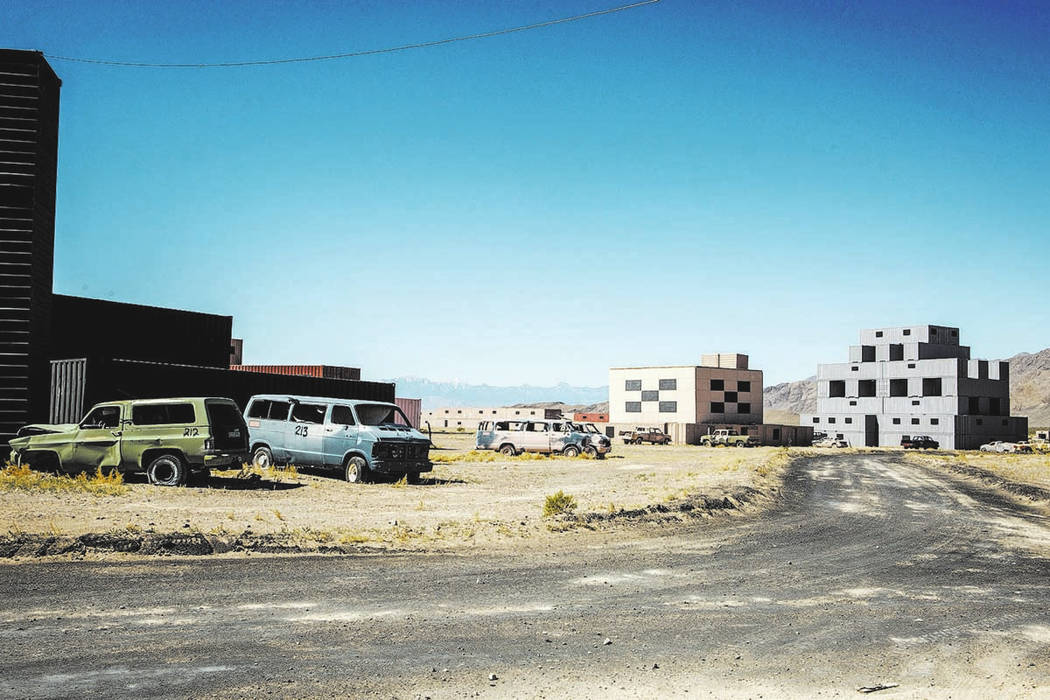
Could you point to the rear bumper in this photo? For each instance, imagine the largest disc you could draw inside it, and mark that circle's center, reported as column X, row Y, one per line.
column 219, row 460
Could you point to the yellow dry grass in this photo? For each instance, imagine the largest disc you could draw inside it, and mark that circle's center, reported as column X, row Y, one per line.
column 22, row 478
column 1032, row 468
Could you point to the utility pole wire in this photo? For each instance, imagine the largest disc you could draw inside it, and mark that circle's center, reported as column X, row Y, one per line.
column 354, row 54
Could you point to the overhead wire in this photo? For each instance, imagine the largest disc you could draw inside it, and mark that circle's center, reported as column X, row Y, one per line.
column 355, row 54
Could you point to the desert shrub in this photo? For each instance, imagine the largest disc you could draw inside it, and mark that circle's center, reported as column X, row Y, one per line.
column 559, row 503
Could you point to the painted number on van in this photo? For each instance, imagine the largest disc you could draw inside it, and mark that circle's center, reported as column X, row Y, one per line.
column 302, row 430
column 190, row 432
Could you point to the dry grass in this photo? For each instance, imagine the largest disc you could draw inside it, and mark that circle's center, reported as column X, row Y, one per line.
column 559, row 503
column 491, row 456
column 22, row 478
column 277, row 474
column 1033, row 468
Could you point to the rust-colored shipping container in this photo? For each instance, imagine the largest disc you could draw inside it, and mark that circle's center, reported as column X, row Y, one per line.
column 412, row 408
column 321, row 371
column 591, row 417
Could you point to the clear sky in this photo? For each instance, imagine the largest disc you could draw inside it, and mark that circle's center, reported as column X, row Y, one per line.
column 636, row 188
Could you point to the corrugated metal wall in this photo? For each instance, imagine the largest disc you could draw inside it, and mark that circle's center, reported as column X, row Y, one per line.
column 29, row 100
column 99, row 328
column 68, row 384
column 412, row 408
column 116, row 379
column 326, row 371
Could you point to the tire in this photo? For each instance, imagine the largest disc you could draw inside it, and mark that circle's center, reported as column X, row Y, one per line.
column 167, row 470
column 262, row 457
column 357, row 471
column 571, row 451
column 741, row 444
column 592, row 452
column 508, row 450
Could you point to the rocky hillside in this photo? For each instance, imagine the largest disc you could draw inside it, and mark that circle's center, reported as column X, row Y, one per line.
column 784, row 402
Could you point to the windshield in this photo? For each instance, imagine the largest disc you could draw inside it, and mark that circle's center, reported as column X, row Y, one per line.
column 381, row 414
column 589, row 428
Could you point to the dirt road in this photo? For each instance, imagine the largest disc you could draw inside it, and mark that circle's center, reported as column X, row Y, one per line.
column 871, row 571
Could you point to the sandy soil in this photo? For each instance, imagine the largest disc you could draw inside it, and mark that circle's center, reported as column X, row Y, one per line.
column 461, row 503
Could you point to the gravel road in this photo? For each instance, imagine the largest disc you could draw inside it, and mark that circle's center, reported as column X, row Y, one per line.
column 870, row 571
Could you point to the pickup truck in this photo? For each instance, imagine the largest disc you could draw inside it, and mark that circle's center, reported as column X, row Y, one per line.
column 919, row 442
column 728, row 438
column 653, row 436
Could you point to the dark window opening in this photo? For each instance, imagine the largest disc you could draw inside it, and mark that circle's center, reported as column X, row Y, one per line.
column 342, row 415
column 668, row 384
column 915, row 403
column 867, row 353
column 816, row 419
column 994, row 407
column 866, row 388
column 718, row 384
column 852, row 403
column 776, row 433
column 854, row 368
column 878, row 334
column 650, row 396
column 730, row 397
column 831, row 420
column 743, row 408
column 911, row 365
column 907, row 331
column 308, row 413
column 633, row 407
column 849, row 420
column 973, row 406
column 931, row 387
column 837, row 388
column 163, row 414
column 914, row 421
column 898, row 387
column 935, row 421
column 668, row 407
column 896, row 352
column 743, row 386
column 632, row 385
column 896, row 421
column 718, row 407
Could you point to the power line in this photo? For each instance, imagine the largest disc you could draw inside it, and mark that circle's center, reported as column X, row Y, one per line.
column 354, row 54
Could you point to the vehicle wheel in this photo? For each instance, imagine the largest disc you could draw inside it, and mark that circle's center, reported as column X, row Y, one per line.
column 741, row 444
column 591, row 451
column 262, row 458
column 571, row 451
column 508, row 450
column 167, row 470
column 357, row 470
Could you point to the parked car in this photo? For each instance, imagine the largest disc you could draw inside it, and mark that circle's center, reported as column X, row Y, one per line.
column 543, row 436
column 362, row 439
column 830, row 442
column 653, row 436
column 919, row 442
column 1002, row 446
column 168, row 439
column 599, row 444
column 728, row 438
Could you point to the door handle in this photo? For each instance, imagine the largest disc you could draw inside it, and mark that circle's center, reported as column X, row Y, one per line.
column 116, row 434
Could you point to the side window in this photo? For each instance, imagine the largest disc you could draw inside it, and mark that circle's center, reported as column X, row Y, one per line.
column 163, row 414
column 342, row 415
column 308, row 413
column 259, row 409
column 106, row 416
column 279, row 410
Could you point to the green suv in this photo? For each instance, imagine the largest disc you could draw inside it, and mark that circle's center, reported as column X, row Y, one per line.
column 165, row 438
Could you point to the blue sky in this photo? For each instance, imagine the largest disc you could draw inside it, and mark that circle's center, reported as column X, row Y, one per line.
column 636, row 188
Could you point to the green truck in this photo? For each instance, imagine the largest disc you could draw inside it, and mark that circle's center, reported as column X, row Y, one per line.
column 168, row 439
column 727, row 437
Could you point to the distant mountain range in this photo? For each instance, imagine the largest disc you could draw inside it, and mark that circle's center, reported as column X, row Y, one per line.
column 439, row 394
column 1029, row 393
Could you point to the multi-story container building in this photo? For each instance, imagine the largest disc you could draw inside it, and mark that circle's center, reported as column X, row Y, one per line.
column 29, row 98
column 915, row 380
column 689, row 401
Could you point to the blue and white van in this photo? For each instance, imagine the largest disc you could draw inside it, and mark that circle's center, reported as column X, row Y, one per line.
column 360, row 438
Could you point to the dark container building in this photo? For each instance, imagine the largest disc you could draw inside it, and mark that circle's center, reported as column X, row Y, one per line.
column 97, row 328
column 78, row 384
column 29, row 98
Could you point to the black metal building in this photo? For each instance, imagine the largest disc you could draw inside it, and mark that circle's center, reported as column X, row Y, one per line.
column 78, row 384
column 94, row 327
column 29, row 98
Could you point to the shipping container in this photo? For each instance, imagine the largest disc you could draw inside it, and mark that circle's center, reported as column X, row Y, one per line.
column 325, row 371
column 78, row 384
column 412, row 409
column 97, row 328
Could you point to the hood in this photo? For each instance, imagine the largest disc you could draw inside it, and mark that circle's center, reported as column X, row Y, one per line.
column 391, row 432
column 45, row 428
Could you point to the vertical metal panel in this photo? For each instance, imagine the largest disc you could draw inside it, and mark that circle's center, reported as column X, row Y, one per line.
column 68, row 386
column 412, row 409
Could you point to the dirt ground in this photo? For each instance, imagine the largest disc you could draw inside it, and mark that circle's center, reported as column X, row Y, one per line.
column 461, row 503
